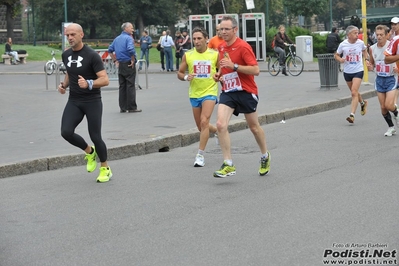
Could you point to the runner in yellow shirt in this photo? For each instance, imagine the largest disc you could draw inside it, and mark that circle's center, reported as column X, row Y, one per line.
column 201, row 63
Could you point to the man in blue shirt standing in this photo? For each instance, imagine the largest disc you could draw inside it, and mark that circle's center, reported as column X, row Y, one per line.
column 123, row 54
column 145, row 45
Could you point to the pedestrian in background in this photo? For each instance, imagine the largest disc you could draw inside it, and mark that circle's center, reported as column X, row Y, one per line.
column 281, row 41
column 333, row 40
column 216, row 40
column 168, row 44
column 360, row 35
column 179, row 49
column 85, row 76
column 161, row 50
column 370, row 39
column 145, row 46
column 123, row 54
column 186, row 44
column 11, row 52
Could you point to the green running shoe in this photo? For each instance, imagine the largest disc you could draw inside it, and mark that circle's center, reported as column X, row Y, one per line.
column 91, row 160
column 264, row 165
column 105, row 174
column 225, row 170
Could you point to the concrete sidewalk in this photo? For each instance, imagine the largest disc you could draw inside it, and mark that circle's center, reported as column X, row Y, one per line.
column 30, row 115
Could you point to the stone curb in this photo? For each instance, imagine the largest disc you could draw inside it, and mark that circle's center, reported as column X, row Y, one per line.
column 166, row 142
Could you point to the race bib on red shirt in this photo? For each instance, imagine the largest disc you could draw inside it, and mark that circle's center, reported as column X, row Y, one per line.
column 232, row 82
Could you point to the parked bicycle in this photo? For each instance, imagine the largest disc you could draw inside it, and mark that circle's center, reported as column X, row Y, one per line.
column 293, row 63
column 52, row 64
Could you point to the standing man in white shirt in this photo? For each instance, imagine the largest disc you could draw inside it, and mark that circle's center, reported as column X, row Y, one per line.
column 167, row 43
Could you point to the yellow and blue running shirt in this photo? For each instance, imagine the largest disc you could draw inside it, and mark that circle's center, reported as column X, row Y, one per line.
column 203, row 65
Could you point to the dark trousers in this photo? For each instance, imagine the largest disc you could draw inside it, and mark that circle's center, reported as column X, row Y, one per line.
column 127, row 87
column 73, row 114
column 178, row 59
column 177, row 63
column 162, row 53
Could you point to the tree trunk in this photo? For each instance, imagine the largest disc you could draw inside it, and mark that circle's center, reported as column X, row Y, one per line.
column 139, row 25
column 10, row 21
column 171, row 27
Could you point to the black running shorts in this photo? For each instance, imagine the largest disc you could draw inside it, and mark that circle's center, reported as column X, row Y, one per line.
column 241, row 101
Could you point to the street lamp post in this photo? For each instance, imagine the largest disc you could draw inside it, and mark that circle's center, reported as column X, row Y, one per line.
column 27, row 11
column 267, row 14
column 331, row 20
column 33, row 22
column 65, row 11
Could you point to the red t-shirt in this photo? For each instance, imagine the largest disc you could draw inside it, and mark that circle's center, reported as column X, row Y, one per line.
column 393, row 48
column 240, row 52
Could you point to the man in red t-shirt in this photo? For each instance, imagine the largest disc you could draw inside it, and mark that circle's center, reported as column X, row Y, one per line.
column 238, row 66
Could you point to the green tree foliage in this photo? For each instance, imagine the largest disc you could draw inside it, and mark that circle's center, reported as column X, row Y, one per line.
column 102, row 18
column 13, row 9
column 90, row 14
column 276, row 13
column 341, row 9
column 306, row 8
column 161, row 13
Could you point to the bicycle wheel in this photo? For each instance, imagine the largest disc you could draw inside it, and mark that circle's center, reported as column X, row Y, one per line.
column 273, row 66
column 295, row 65
column 49, row 68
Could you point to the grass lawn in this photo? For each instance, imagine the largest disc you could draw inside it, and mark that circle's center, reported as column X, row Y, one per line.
column 38, row 52
column 43, row 52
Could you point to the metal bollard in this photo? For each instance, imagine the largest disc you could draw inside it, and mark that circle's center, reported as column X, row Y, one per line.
column 137, row 73
column 45, row 74
column 57, row 76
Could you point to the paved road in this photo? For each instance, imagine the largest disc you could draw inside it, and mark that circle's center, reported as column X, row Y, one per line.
column 30, row 115
column 331, row 183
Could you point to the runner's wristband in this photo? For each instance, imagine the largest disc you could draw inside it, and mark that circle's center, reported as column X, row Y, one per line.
column 186, row 77
column 90, row 83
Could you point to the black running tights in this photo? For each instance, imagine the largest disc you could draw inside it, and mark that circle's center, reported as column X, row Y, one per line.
column 71, row 118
